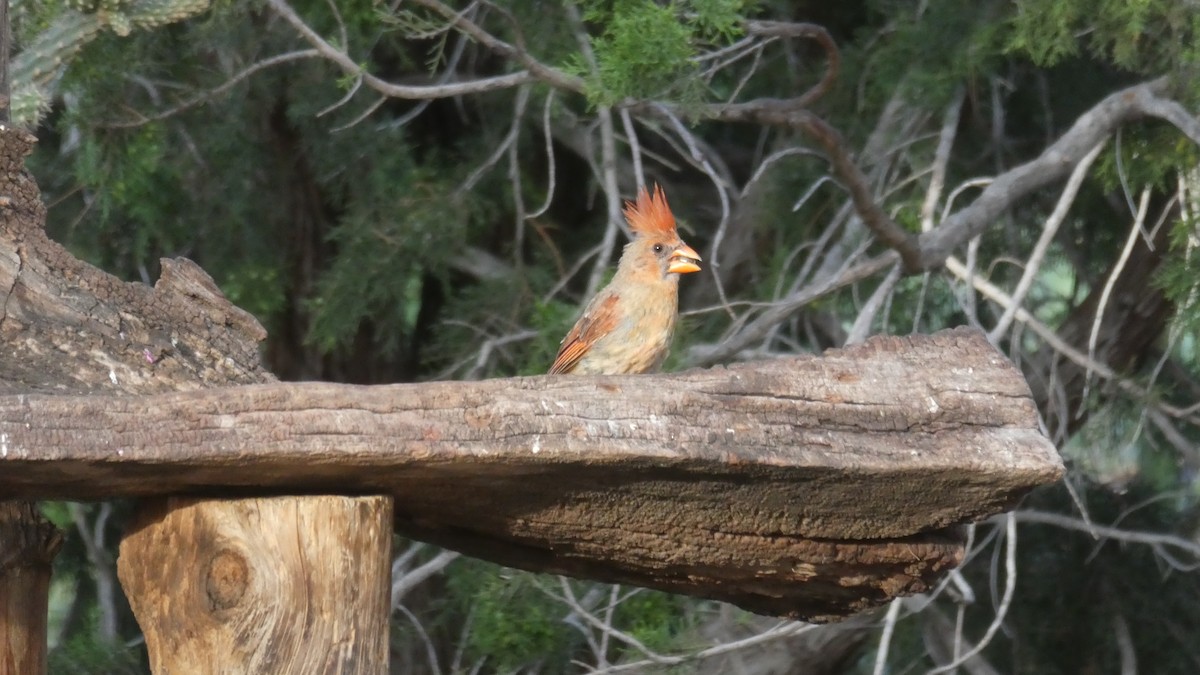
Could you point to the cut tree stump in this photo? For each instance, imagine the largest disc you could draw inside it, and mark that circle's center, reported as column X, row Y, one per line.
column 810, row 487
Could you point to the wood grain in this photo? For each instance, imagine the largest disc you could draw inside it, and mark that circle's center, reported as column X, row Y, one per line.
column 216, row 592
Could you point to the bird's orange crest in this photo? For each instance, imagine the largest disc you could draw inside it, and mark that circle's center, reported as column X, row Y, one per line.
column 650, row 215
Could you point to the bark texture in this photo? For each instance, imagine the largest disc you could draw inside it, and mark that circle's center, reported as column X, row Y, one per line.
column 28, row 544
column 217, row 593
column 69, row 327
column 811, row 487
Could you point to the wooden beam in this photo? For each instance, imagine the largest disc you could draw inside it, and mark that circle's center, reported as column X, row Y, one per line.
column 275, row 585
column 810, row 486
column 918, row 432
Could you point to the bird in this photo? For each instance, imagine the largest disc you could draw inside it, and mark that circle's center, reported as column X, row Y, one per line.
column 627, row 327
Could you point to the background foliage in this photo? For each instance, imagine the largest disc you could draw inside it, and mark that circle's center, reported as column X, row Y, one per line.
column 384, row 239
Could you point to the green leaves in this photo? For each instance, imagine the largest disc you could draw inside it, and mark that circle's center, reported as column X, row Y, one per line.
column 1045, row 31
column 719, row 20
column 1147, row 36
column 643, row 51
column 390, row 235
column 647, row 50
column 514, row 623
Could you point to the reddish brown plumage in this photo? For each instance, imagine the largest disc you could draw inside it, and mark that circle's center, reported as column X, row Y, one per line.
column 627, row 327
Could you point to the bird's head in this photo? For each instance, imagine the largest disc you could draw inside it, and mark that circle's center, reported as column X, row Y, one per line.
column 656, row 248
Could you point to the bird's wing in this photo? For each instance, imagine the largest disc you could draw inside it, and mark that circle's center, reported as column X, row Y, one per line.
column 598, row 320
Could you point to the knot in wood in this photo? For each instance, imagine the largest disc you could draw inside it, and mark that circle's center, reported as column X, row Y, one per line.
column 227, row 579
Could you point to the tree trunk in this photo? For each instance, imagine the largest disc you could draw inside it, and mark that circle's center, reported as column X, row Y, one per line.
column 275, row 585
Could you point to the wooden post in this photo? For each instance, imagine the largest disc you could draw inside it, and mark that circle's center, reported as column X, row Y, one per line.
column 28, row 544
column 274, row 585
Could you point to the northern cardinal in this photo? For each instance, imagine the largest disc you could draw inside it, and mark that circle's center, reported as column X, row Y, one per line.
column 627, row 327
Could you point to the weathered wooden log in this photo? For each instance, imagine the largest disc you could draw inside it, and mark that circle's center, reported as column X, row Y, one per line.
column 216, row 592
column 68, row 327
column 811, row 487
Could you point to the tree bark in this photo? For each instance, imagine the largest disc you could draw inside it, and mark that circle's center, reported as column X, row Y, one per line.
column 217, row 592
column 28, row 544
column 69, row 327
column 810, row 487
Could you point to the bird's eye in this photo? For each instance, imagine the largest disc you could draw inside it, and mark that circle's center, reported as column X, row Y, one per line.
column 658, row 248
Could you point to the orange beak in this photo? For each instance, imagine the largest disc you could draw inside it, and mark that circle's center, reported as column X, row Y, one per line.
column 684, row 260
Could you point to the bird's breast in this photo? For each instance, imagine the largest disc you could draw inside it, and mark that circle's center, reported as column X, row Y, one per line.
column 639, row 343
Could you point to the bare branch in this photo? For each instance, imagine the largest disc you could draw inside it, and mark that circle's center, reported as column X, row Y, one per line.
column 941, row 158
column 537, row 69
column 568, row 597
column 635, row 148
column 1047, row 334
column 885, row 639
column 509, row 139
column 1158, row 542
column 550, row 164
column 722, row 184
column 1171, row 111
column 430, row 650
column 216, row 91
column 1134, row 232
column 866, row 317
column 760, row 326
column 103, row 572
column 792, row 113
column 752, row 111
column 1056, row 161
column 844, row 167
column 1034, row 263
column 612, row 200
column 1010, row 586
column 1125, row 647
column 937, row 631
column 412, row 92
column 403, row 584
